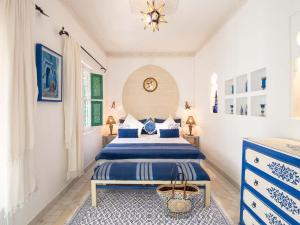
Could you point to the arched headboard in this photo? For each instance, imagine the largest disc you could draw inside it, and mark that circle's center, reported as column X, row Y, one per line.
column 142, row 104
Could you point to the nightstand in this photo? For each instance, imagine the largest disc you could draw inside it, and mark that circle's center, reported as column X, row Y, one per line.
column 106, row 139
column 193, row 140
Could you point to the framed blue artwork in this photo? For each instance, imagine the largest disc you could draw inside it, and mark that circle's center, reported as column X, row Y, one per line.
column 49, row 74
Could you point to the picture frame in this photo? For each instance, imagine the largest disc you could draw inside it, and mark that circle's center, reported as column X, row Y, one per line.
column 49, row 65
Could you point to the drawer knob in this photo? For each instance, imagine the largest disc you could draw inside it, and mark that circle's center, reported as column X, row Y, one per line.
column 253, row 205
column 255, row 182
column 256, row 160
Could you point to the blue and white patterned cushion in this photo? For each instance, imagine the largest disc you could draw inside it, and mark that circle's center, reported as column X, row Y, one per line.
column 149, row 126
column 174, row 126
column 123, row 126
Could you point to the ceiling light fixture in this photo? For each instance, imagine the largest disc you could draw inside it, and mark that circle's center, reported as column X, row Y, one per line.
column 153, row 16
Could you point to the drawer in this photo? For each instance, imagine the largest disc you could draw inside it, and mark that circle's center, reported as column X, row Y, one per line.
column 286, row 202
column 282, row 171
column 261, row 210
column 248, row 219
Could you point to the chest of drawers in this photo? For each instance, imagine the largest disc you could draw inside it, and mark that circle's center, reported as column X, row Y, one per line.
column 270, row 187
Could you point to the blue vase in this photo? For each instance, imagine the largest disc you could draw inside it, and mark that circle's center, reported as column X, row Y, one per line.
column 215, row 109
column 263, row 83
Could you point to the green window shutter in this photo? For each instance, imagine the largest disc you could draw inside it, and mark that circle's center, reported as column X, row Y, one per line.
column 96, row 100
column 97, row 113
column 96, row 86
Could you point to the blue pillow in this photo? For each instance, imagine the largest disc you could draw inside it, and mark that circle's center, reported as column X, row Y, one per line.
column 159, row 120
column 149, row 127
column 169, row 133
column 142, row 120
column 128, row 133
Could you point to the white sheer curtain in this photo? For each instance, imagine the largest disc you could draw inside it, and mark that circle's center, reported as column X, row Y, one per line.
column 18, row 94
column 72, row 107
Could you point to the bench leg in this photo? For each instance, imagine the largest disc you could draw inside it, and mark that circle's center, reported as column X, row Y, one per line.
column 94, row 193
column 207, row 194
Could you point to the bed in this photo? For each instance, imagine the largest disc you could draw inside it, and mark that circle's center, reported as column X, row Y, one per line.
column 147, row 161
column 150, row 148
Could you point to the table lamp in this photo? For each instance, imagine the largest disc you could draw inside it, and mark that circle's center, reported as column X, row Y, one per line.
column 110, row 121
column 190, row 121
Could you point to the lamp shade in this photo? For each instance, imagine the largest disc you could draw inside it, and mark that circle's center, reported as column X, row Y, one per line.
column 110, row 120
column 190, row 120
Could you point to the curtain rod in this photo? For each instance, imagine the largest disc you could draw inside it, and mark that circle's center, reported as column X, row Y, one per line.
column 64, row 32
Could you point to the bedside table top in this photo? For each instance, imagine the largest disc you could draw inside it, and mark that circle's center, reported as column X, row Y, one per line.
column 108, row 135
column 190, row 136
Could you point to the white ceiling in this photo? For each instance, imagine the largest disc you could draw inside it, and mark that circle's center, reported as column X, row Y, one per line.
column 119, row 29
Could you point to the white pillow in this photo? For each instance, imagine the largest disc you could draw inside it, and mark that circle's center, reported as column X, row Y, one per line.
column 174, row 125
column 133, row 123
column 167, row 124
column 169, row 120
column 171, row 123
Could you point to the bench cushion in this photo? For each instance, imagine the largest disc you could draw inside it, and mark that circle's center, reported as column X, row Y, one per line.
column 149, row 171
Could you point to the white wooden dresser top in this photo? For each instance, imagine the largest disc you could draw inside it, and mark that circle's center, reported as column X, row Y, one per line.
column 291, row 147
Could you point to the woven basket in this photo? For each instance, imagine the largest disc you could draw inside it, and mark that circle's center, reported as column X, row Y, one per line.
column 178, row 199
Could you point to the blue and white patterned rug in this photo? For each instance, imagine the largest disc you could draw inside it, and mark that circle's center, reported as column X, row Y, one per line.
column 139, row 207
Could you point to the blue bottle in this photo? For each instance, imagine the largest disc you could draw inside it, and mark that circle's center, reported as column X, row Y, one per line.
column 215, row 107
column 263, row 83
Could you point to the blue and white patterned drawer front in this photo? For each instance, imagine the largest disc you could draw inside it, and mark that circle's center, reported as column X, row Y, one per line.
column 248, row 218
column 282, row 171
column 286, row 202
column 266, row 214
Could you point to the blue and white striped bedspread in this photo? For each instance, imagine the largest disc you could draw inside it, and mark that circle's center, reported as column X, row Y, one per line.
column 146, row 171
column 149, row 151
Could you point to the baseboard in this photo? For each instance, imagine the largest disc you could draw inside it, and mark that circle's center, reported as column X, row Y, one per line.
column 51, row 203
column 91, row 163
column 234, row 183
column 57, row 197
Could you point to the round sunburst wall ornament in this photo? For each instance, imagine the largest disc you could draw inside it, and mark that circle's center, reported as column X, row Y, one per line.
column 153, row 16
column 150, row 84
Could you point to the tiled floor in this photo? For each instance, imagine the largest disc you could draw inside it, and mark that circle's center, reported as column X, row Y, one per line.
column 226, row 195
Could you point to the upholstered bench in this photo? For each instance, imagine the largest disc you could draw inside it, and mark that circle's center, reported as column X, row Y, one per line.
column 146, row 173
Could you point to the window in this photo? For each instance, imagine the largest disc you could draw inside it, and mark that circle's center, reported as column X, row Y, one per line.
column 86, row 96
column 92, row 98
column 96, row 99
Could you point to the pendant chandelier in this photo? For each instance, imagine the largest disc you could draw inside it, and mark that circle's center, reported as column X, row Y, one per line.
column 153, row 16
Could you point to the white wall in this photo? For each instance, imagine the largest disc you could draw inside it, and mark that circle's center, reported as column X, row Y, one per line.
column 50, row 156
column 181, row 68
column 256, row 36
